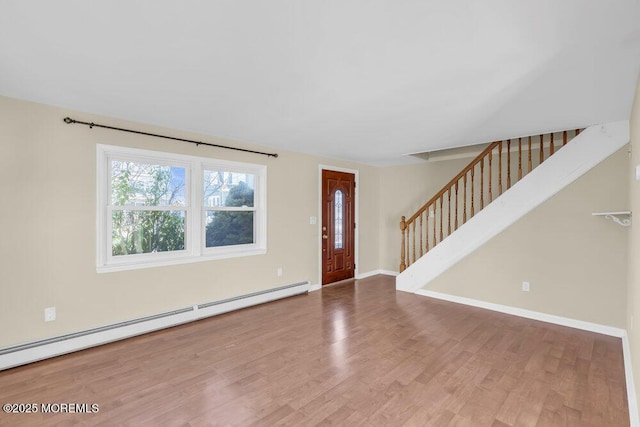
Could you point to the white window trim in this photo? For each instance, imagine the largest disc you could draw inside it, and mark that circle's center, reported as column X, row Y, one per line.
column 194, row 210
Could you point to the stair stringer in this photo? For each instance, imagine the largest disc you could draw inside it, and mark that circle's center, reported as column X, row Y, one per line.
column 582, row 153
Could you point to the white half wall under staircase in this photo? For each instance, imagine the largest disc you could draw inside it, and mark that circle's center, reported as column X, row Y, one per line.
column 582, row 153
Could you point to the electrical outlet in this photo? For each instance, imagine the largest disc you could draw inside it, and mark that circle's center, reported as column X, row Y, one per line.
column 49, row 314
column 279, row 271
column 525, row 286
column 313, row 220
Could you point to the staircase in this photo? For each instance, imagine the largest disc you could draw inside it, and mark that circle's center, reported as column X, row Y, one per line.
column 504, row 182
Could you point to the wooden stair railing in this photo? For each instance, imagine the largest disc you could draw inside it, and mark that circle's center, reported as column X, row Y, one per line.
column 462, row 197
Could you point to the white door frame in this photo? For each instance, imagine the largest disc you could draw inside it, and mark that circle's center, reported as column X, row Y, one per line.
column 356, row 251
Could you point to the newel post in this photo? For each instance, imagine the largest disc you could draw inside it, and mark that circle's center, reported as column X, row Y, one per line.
column 403, row 227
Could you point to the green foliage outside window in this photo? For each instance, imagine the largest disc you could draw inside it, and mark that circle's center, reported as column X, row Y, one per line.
column 146, row 231
column 232, row 227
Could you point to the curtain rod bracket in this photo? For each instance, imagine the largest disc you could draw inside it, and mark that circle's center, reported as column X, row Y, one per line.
column 69, row 120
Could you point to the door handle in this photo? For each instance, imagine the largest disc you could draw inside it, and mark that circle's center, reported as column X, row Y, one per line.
column 325, row 237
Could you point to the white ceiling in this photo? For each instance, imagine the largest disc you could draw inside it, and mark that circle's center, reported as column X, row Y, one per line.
column 364, row 80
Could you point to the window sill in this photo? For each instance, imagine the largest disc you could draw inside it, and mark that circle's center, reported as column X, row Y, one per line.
column 176, row 261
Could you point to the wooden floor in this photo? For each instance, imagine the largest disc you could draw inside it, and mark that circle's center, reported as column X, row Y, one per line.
column 358, row 353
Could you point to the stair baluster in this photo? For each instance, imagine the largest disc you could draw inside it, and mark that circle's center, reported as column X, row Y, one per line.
column 508, row 164
column 519, row 159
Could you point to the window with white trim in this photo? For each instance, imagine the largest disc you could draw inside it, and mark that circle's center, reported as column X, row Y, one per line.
column 158, row 208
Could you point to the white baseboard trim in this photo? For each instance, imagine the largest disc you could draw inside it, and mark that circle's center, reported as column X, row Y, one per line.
column 632, row 401
column 529, row 314
column 359, row 277
column 376, row 272
column 39, row 350
column 563, row 321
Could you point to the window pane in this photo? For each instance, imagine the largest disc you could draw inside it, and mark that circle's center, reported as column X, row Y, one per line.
column 338, row 220
column 143, row 184
column 229, row 228
column 143, row 232
column 228, row 188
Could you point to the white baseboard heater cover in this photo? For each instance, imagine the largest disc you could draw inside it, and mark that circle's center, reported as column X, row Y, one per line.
column 38, row 350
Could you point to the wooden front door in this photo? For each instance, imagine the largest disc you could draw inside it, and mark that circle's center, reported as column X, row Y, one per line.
column 338, row 226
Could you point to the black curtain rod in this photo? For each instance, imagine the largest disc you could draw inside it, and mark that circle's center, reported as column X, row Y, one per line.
column 69, row 120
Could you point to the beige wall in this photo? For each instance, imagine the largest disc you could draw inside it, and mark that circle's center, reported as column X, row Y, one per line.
column 633, row 290
column 48, row 223
column 575, row 263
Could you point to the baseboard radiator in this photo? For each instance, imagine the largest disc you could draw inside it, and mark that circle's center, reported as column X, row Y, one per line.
column 38, row 350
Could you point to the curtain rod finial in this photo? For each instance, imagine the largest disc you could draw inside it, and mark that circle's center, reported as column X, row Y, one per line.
column 68, row 120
